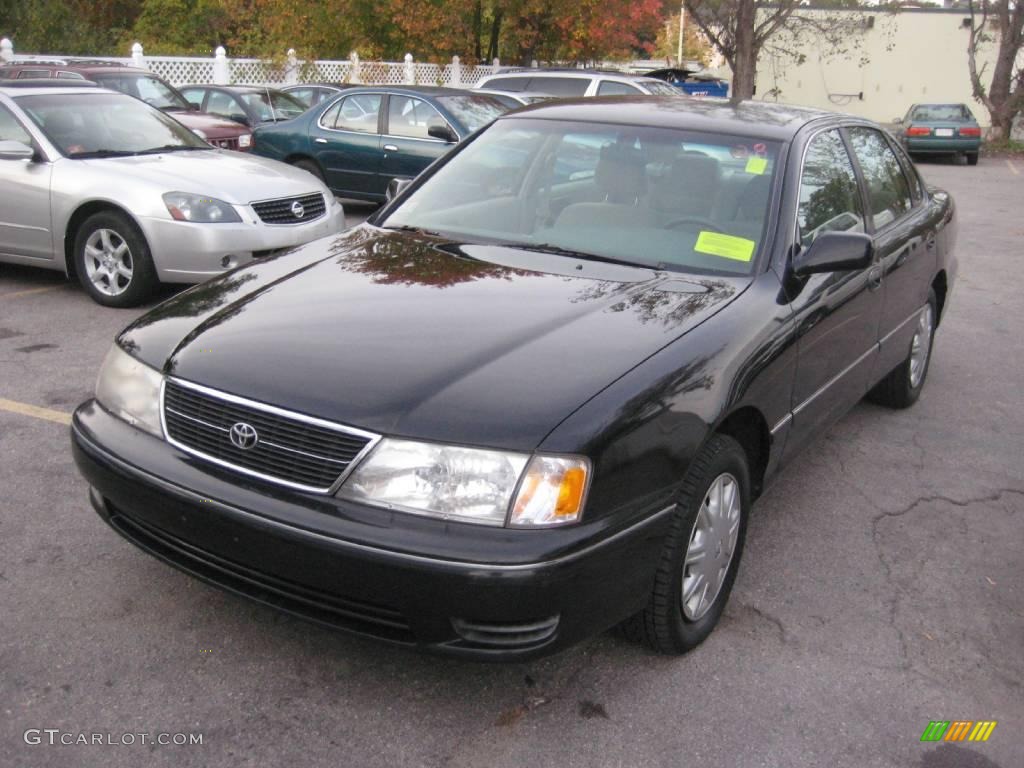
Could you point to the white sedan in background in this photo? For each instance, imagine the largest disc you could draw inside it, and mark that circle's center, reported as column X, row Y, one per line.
column 106, row 188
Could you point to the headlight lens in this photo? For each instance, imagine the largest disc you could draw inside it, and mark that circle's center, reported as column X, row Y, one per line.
column 470, row 484
column 184, row 206
column 245, row 141
column 131, row 390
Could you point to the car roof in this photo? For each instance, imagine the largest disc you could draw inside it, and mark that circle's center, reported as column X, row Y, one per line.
column 607, row 73
column 92, row 66
column 747, row 118
column 53, row 90
column 49, row 83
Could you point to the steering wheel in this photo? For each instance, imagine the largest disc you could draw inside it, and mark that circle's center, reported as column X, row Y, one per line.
column 700, row 221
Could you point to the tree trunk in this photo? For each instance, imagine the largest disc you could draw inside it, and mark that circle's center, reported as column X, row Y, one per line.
column 492, row 46
column 744, row 74
column 1004, row 97
column 478, row 28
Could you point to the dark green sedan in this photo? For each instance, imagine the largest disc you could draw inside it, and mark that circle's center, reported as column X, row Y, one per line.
column 941, row 129
column 361, row 140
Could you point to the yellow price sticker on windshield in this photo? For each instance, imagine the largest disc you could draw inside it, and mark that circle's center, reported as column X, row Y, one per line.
column 726, row 246
column 757, row 165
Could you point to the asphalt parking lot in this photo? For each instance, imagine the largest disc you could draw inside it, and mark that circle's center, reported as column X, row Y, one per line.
column 881, row 588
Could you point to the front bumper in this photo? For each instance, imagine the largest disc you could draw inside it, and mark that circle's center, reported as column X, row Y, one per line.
column 325, row 560
column 192, row 253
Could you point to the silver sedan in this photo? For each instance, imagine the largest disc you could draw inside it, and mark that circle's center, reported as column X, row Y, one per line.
column 106, row 188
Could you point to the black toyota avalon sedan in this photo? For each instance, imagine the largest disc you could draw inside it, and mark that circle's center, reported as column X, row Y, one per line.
column 538, row 393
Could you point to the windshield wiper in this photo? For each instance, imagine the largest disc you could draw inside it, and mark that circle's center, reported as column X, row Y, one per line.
column 573, row 254
column 415, row 230
column 171, row 148
column 101, row 153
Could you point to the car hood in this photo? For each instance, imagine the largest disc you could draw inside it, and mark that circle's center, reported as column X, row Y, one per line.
column 421, row 337
column 234, row 177
column 213, row 127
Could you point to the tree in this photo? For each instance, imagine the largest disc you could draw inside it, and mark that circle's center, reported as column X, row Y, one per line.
column 1004, row 98
column 740, row 30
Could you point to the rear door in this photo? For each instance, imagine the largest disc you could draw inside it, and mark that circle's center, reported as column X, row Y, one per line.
column 904, row 227
column 25, row 226
column 346, row 142
column 407, row 147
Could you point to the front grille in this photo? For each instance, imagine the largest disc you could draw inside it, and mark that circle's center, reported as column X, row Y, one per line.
column 224, row 143
column 353, row 615
column 285, row 210
column 289, row 449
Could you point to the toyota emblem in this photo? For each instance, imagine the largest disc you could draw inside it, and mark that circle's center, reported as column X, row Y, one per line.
column 298, row 211
column 243, row 436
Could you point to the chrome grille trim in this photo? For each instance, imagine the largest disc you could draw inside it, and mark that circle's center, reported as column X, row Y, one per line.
column 372, row 438
column 278, row 210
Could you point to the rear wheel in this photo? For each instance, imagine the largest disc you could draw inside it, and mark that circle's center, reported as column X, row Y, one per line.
column 113, row 261
column 310, row 166
column 972, row 158
column 903, row 385
column 701, row 554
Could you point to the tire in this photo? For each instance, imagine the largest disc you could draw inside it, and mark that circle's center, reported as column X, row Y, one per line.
column 902, row 386
column 128, row 278
column 668, row 624
column 311, row 166
column 972, row 158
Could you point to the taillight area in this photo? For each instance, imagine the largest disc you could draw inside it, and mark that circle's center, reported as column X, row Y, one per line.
column 919, row 130
column 970, row 132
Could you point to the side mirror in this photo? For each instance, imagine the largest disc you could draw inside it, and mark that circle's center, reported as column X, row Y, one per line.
column 439, row 129
column 15, row 150
column 835, row 252
column 396, row 187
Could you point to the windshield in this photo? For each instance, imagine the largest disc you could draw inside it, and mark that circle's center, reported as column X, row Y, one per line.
column 272, row 106
column 151, row 90
column 660, row 88
column 951, row 113
column 106, row 124
column 474, row 112
column 655, row 197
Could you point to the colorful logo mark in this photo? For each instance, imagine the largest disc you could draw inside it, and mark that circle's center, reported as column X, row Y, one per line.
column 958, row 730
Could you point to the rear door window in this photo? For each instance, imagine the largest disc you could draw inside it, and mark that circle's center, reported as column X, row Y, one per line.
column 508, row 83
column 887, row 185
column 560, row 86
column 359, row 113
column 613, row 88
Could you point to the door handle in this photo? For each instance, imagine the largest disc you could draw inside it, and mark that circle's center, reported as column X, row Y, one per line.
column 390, row 148
column 875, row 279
column 320, row 141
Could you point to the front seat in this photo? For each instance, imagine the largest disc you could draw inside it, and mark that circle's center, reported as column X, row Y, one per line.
column 621, row 181
column 688, row 188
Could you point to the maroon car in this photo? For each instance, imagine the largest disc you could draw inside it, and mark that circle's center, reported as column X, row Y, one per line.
column 143, row 85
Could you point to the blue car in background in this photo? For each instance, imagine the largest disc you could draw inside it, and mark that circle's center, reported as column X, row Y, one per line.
column 691, row 84
column 360, row 141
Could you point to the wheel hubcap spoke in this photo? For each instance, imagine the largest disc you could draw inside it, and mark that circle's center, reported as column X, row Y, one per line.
column 711, row 546
column 920, row 347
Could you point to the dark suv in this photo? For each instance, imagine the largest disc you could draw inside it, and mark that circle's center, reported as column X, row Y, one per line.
column 143, row 85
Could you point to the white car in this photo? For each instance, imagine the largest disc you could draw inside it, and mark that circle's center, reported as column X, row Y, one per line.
column 106, row 188
column 570, row 83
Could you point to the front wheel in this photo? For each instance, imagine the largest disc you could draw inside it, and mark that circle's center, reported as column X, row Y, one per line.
column 311, row 166
column 701, row 554
column 903, row 385
column 113, row 260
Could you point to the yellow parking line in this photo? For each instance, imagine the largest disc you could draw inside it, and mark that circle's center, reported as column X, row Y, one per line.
column 1012, row 167
column 35, row 411
column 30, row 291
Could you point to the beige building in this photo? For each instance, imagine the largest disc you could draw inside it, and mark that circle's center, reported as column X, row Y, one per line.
column 890, row 61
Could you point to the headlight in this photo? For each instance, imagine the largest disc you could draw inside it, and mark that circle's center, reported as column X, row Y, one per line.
column 245, row 141
column 469, row 484
column 131, row 390
column 184, row 206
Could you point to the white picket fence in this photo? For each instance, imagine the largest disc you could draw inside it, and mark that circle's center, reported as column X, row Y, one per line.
column 222, row 70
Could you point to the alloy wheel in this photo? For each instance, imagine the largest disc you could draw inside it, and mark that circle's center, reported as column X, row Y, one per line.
column 108, row 262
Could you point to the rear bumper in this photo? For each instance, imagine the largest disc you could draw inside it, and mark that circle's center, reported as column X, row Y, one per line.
column 205, row 526
column 938, row 146
column 192, row 253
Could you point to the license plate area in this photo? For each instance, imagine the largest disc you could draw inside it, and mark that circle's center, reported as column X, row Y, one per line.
column 943, row 131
